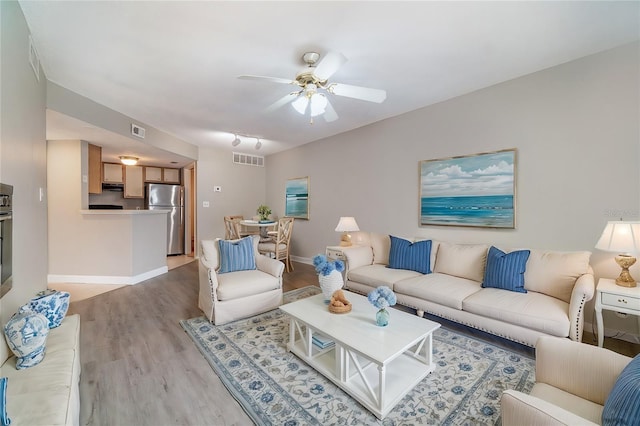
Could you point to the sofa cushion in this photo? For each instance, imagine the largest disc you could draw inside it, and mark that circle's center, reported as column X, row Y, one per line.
column 377, row 275
column 412, row 256
column 623, row 403
column 439, row 288
column 532, row 310
column 381, row 245
column 462, row 260
column 245, row 283
column 506, row 270
column 236, row 255
column 555, row 273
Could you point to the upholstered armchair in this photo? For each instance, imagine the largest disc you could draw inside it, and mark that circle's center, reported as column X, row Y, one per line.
column 226, row 297
column 573, row 382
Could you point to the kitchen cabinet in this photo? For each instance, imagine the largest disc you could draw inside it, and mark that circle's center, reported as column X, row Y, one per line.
column 95, row 169
column 153, row 174
column 112, row 173
column 133, row 182
column 171, row 175
column 161, row 175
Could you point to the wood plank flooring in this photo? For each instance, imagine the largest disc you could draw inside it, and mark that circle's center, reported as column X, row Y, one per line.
column 140, row 368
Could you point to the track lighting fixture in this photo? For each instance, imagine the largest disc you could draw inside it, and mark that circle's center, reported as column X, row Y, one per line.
column 258, row 143
column 236, row 141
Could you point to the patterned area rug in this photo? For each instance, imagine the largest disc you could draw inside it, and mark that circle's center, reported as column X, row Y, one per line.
column 275, row 387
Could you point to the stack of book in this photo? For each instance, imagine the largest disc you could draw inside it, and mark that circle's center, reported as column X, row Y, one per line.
column 322, row 342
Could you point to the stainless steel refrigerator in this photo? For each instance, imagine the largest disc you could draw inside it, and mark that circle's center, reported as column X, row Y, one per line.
column 168, row 197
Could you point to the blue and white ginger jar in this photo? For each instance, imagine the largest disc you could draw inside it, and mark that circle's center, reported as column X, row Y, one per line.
column 26, row 334
column 52, row 304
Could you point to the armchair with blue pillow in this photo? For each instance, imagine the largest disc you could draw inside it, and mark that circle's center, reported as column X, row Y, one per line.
column 236, row 281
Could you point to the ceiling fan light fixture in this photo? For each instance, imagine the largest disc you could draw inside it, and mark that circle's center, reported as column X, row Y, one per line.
column 128, row 160
column 318, row 104
column 258, row 144
column 300, row 104
column 236, row 141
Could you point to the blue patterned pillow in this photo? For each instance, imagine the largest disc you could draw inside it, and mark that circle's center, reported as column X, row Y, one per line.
column 52, row 304
column 236, row 255
column 622, row 407
column 411, row 256
column 506, row 270
column 4, row 418
column 26, row 334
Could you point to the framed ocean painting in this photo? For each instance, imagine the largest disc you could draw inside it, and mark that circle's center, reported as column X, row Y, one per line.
column 297, row 198
column 476, row 190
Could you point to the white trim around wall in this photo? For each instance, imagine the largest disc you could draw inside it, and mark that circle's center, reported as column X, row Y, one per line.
column 115, row 280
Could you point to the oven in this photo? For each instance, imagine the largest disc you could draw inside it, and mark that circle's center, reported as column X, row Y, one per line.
column 6, row 237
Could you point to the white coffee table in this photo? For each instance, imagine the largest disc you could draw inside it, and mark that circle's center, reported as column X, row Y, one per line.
column 377, row 366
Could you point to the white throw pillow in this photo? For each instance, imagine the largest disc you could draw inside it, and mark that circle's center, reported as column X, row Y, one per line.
column 462, row 260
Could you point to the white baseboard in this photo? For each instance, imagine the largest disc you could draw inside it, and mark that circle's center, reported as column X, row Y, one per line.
column 306, row 260
column 107, row 279
column 613, row 333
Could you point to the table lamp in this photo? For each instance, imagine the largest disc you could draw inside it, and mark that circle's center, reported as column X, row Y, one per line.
column 623, row 238
column 345, row 225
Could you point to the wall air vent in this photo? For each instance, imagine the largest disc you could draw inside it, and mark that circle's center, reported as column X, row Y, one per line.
column 248, row 160
column 137, row 131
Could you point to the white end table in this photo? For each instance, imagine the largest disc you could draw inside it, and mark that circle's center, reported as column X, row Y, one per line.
column 613, row 297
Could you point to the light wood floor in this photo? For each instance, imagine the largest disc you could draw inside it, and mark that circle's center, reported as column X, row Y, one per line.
column 140, row 368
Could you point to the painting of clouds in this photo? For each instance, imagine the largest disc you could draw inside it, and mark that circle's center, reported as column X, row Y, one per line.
column 477, row 190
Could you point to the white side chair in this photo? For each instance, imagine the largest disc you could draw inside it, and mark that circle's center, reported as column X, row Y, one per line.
column 234, row 295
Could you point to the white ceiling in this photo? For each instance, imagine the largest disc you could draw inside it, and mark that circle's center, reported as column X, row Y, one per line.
column 174, row 64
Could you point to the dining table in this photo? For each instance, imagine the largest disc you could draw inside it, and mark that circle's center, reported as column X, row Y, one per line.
column 262, row 224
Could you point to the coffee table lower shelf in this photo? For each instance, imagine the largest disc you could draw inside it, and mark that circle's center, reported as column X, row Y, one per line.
column 379, row 387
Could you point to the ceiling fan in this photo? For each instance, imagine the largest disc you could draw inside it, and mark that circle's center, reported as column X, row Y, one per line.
column 313, row 80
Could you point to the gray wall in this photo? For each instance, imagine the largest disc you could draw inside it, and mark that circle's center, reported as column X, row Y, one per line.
column 23, row 158
column 575, row 127
column 243, row 190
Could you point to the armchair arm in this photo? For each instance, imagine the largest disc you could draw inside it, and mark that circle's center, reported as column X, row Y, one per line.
column 270, row 266
column 358, row 256
column 207, row 294
column 577, row 368
column 518, row 409
column 582, row 292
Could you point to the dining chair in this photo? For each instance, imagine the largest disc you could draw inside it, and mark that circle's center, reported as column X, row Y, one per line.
column 232, row 227
column 278, row 247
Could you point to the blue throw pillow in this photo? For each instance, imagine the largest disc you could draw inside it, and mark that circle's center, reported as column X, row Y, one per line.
column 506, row 270
column 236, row 255
column 622, row 407
column 4, row 418
column 412, row 256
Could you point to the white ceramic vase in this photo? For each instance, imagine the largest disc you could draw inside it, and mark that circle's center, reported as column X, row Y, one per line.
column 330, row 283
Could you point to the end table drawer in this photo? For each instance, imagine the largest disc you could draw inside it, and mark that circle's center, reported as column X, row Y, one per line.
column 621, row 301
column 334, row 254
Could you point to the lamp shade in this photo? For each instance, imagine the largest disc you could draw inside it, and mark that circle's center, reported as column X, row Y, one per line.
column 620, row 237
column 128, row 160
column 347, row 224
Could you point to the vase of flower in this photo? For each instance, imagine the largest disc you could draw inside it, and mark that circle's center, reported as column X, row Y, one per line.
column 382, row 297
column 263, row 212
column 329, row 275
column 382, row 318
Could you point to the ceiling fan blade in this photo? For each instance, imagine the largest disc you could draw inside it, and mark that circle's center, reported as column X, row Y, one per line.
column 357, row 92
column 329, row 113
column 270, row 79
column 281, row 102
column 329, row 65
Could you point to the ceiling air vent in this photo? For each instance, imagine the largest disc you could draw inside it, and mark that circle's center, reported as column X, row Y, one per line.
column 137, row 131
column 249, row 160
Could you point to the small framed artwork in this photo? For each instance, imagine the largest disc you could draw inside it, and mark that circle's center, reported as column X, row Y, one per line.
column 297, row 198
column 476, row 190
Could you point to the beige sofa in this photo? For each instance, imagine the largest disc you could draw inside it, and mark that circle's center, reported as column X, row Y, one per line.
column 573, row 381
column 47, row 393
column 558, row 285
column 230, row 296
